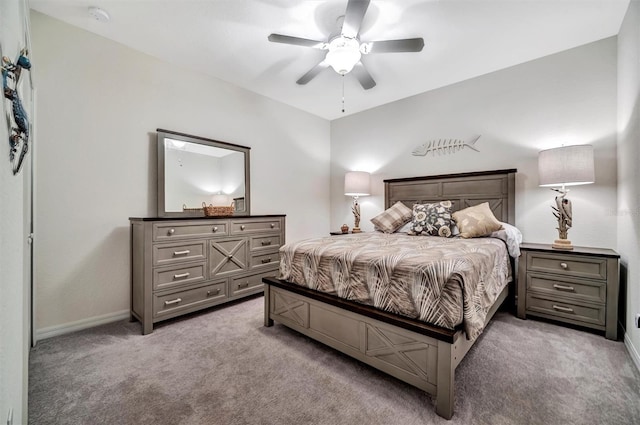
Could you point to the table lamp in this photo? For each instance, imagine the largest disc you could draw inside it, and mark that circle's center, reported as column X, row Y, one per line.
column 356, row 183
column 565, row 166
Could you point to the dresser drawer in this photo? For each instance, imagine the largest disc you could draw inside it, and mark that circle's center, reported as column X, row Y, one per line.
column 165, row 231
column 190, row 299
column 261, row 225
column 566, row 287
column 167, row 254
column 245, row 285
column 270, row 259
column 549, row 307
column 575, row 265
column 169, row 277
column 261, row 243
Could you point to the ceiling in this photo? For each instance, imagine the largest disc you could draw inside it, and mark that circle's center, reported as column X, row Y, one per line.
column 227, row 39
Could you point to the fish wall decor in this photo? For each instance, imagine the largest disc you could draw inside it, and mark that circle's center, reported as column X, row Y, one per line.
column 444, row 146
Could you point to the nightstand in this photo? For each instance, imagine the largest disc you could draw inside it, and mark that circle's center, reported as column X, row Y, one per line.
column 579, row 287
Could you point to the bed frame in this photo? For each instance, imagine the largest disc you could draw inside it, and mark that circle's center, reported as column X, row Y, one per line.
column 419, row 354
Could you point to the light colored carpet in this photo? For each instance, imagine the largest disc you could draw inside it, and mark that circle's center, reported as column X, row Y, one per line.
column 223, row 367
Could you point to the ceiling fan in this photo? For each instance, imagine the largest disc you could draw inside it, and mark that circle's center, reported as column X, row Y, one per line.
column 345, row 48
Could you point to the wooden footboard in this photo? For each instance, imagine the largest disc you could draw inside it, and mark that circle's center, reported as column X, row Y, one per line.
column 418, row 354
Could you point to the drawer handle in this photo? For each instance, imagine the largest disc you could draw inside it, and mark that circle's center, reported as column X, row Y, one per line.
column 243, row 285
column 242, row 227
column 265, row 243
column 215, row 229
column 181, row 276
column 176, row 301
column 185, row 252
column 560, row 308
column 216, row 292
column 564, row 266
column 266, row 260
column 171, row 232
column 273, row 225
column 564, row 288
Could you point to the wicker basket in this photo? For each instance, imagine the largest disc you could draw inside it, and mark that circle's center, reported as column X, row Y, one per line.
column 211, row 211
column 192, row 210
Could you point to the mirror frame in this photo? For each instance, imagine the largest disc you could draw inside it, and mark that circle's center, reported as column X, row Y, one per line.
column 162, row 135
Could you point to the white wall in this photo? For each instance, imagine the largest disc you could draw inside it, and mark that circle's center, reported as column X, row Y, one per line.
column 628, row 212
column 566, row 98
column 14, row 210
column 99, row 104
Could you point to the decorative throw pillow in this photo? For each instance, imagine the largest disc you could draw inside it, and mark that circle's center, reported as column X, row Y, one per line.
column 476, row 221
column 432, row 219
column 392, row 218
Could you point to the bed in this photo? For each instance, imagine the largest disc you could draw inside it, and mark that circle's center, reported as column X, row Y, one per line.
column 403, row 343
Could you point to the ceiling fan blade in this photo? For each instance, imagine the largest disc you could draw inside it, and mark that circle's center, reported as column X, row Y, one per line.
column 297, row 41
column 312, row 73
column 389, row 46
column 363, row 76
column 353, row 17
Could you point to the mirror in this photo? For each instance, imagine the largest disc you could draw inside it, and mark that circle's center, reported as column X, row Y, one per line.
column 193, row 170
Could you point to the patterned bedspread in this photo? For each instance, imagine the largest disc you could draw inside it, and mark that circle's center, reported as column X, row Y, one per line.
column 441, row 281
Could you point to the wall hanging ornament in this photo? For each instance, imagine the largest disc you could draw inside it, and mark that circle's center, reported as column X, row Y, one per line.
column 17, row 119
column 444, row 146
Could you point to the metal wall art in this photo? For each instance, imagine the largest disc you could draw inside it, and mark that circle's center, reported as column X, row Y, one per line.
column 17, row 119
column 444, row 146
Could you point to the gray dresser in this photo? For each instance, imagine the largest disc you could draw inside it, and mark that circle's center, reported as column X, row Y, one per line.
column 181, row 265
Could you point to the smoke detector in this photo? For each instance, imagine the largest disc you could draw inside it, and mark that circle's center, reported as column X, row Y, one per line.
column 98, row 14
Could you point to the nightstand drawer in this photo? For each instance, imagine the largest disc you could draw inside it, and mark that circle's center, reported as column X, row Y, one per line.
column 566, row 287
column 548, row 307
column 575, row 265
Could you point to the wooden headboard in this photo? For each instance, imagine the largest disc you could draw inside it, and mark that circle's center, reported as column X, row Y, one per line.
column 463, row 190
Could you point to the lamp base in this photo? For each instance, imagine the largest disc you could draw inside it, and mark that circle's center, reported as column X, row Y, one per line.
column 356, row 230
column 563, row 244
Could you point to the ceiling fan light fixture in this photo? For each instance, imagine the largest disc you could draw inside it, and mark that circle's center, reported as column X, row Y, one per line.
column 344, row 54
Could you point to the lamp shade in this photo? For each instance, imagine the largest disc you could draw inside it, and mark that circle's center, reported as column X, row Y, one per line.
column 568, row 166
column 357, row 183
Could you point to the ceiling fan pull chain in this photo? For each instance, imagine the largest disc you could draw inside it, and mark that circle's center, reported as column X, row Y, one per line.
column 342, row 93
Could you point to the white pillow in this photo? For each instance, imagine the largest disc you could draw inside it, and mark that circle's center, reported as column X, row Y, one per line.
column 405, row 228
column 513, row 238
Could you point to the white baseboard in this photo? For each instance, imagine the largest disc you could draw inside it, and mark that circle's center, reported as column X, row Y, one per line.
column 90, row 322
column 632, row 351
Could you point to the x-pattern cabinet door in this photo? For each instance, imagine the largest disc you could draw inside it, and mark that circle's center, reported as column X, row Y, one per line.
column 228, row 256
